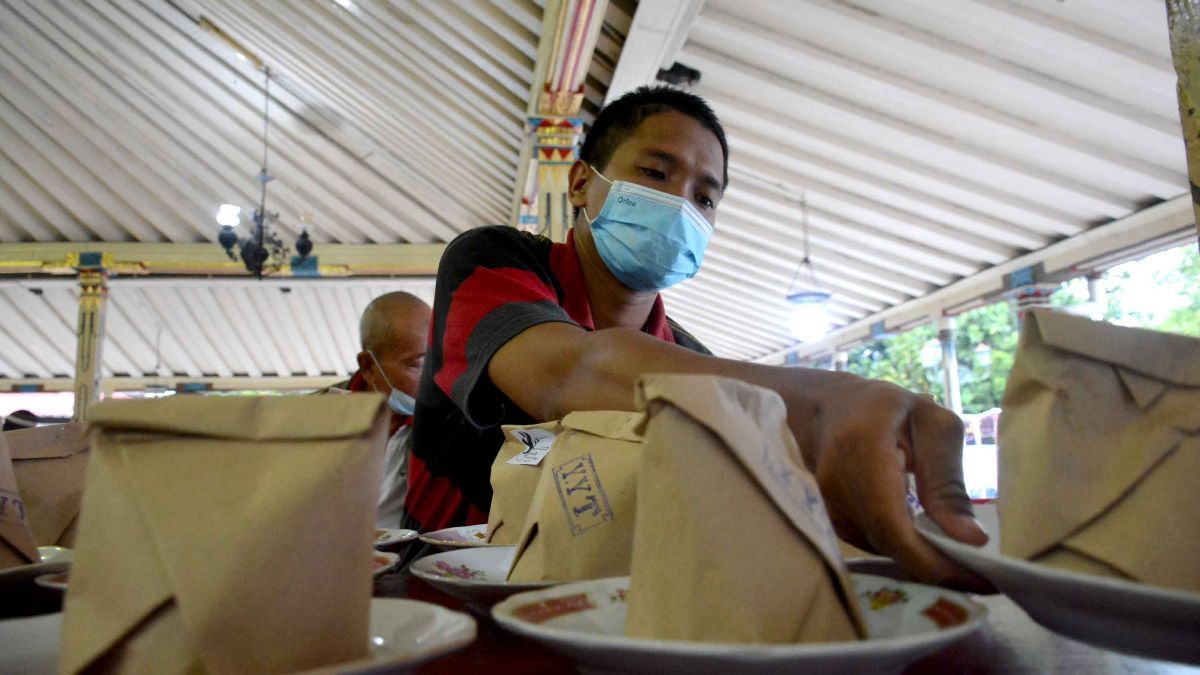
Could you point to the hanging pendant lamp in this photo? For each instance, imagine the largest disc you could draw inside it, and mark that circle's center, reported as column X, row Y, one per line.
column 809, row 300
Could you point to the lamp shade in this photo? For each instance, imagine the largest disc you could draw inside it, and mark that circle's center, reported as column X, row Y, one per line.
column 810, row 315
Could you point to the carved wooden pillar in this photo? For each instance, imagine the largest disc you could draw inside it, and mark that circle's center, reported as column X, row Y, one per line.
column 93, row 300
column 1183, row 16
column 554, row 127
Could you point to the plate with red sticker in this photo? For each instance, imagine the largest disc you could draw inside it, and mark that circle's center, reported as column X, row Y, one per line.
column 474, row 574
column 1118, row 614
column 383, row 561
column 466, row 536
column 388, row 536
column 585, row 620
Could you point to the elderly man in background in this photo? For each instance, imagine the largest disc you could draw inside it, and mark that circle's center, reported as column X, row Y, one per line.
column 394, row 330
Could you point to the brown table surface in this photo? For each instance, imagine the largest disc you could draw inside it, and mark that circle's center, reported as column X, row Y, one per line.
column 1010, row 642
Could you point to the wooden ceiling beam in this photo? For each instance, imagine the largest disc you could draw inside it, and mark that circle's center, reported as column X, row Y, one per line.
column 139, row 259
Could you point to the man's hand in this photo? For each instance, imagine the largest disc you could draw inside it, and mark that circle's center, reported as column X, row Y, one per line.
column 860, row 437
column 863, row 440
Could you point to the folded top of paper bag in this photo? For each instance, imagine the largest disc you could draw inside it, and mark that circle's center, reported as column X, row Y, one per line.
column 50, row 462
column 1090, row 410
column 226, row 534
column 258, row 418
column 17, row 545
column 752, row 423
column 47, row 442
column 616, row 424
column 1160, row 356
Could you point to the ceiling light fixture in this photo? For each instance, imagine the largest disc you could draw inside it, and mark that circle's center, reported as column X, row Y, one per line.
column 263, row 251
column 228, row 214
column 809, row 318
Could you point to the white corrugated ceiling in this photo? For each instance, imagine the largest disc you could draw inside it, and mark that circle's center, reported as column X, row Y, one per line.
column 130, row 121
column 931, row 139
column 195, row 329
column 391, row 122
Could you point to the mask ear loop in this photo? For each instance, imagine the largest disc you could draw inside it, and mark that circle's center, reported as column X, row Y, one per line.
column 604, row 178
column 380, row 367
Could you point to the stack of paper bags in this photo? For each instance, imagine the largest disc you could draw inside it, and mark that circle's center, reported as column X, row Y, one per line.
column 17, row 544
column 49, row 463
column 580, row 521
column 732, row 542
column 1100, row 451
column 515, row 474
column 226, row 535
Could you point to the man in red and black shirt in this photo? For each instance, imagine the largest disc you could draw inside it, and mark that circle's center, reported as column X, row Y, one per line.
column 495, row 282
column 526, row 331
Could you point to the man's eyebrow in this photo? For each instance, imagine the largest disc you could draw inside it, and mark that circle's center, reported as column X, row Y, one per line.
column 708, row 178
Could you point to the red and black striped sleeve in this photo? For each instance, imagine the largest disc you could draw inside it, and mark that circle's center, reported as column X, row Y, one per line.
column 493, row 283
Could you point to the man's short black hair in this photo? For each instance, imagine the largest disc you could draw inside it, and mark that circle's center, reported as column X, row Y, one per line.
column 619, row 119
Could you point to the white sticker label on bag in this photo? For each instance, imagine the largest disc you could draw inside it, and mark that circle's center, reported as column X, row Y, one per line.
column 537, row 443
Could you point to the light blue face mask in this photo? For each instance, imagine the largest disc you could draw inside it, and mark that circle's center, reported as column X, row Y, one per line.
column 399, row 402
column 648, row 239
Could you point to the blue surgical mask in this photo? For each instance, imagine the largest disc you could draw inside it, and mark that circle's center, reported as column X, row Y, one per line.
column 648, row 239
column 398, row 401
column 401, row 403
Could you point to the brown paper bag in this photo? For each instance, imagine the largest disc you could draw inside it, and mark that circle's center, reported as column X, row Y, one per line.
column 226, row 534
column 580, row 523
column 732, row 542
column 17, row 544
column 515, row 474
column 1100, row 451
column 50, row 463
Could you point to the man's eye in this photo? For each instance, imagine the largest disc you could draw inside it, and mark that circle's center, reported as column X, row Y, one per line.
column 706, row 202
column 654, row 173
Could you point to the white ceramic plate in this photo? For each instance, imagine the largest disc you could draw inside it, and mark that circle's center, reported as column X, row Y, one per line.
column 57, row 581
column 476, row 575
column 1120, row 615
column 388, row 537
column 467, row 536
column 54, row 559
column 586, row 621
column 403, row 633
column 383, row 561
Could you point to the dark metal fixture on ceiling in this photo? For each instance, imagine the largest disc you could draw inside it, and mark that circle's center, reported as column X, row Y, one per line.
column 263, row 252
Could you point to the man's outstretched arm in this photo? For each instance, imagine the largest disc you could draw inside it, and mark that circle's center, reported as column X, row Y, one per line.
column 858, row 436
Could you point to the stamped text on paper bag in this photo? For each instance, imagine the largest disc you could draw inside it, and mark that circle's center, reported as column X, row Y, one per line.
column 12, row 509
column 583, row 500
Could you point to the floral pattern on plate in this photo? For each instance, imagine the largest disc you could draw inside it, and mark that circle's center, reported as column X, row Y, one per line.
column 445, row 569
column 476, row 574
column 884, row 597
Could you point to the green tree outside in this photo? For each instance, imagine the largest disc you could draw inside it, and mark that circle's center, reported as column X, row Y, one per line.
column 986, row 339
column 1185, row 319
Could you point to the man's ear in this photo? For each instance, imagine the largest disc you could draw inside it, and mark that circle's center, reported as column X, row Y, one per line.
column 578, row 180
column 364, row 361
